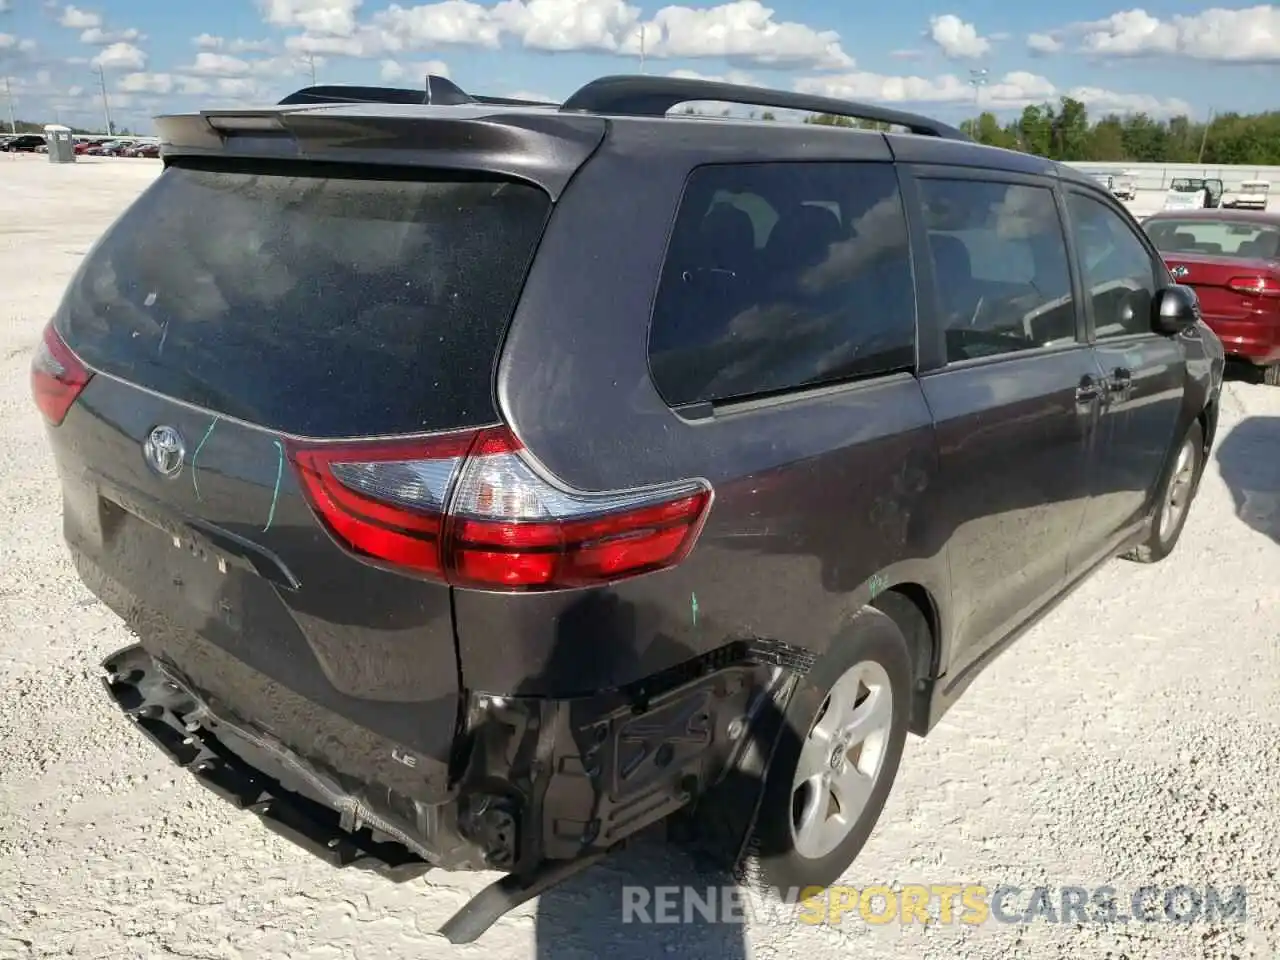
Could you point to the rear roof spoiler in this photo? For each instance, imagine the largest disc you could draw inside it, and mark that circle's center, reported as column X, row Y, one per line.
column 436, row 90
column 636, row 96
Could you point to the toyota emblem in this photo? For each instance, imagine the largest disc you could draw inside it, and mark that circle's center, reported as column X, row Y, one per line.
column 165, row 451
column 1179, row 272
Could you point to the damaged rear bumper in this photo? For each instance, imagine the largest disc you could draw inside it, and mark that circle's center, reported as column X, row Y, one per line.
column 544, row 786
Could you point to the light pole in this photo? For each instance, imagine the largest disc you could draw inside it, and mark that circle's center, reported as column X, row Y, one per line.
column 106, row 107
column 642, row 38
column 978, row 79
column 8, row 96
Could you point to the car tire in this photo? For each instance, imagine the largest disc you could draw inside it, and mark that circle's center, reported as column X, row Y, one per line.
column 1176, row 493
column 845, row 726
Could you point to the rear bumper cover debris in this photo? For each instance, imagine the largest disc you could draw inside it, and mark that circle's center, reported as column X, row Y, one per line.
column 548, row 788
column 214, row 749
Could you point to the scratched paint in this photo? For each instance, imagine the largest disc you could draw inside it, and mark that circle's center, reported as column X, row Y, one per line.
column 877, row 584
column 693, row 607
column 275, row 494
column 196, row 456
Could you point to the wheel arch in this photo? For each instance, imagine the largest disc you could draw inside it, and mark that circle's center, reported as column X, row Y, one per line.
column 915, row 611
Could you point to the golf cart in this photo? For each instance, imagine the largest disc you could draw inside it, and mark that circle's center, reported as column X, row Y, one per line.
column 1193, row 193
column 1125, row 186
column 1252, row 195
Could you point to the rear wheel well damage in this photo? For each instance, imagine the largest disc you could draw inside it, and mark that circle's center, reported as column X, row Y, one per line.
column 1208, row 418
column 914, row 611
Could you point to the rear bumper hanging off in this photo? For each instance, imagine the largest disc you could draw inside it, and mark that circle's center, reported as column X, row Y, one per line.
column 595, row 772
column 178, row 722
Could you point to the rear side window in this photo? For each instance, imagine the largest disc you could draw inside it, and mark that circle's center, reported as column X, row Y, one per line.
column 1001, row 267
column 781, row 276
column 317, row 305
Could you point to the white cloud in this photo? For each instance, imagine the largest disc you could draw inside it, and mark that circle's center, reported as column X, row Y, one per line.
column 283, row 66
column 1044, row 43
column 393, row 71
column 8, row 41
column 98, row 37
column 1101, row 101
column 120, row 56
column 956, row 38
column 1250, row 35
column 449, row 22
column 139, row 82
column 76, row 19
column 363, row 43
column 1016, row 89
column 537, row 97
column 331, row 17
column 733, row 76
column 743, row 30
column 217, row 65
column 207, row 41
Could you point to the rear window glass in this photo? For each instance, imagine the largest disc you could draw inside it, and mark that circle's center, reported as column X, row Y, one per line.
column 782, row 276
column 1215, row 238
column 318, row 305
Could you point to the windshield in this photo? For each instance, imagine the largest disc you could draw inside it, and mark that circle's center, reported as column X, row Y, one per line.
column 1224, row 238
column 1186, row 186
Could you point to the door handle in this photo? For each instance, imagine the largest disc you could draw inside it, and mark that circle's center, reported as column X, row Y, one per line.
column 1121, row 382
column 1088, row 391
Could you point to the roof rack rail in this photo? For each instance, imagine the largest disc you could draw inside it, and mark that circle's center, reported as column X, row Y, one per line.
column 646, row 96
column 435, row 90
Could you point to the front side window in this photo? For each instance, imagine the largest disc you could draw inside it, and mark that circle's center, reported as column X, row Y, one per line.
column 1000, row 265
column 782, row 276
column 1119, row 275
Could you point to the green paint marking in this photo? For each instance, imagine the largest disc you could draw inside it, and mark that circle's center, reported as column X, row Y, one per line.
column 877, row 584
column 196, row 456
column 275, row 494
column 693, row 607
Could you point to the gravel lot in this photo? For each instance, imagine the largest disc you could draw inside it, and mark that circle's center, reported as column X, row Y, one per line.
column 1131, row 739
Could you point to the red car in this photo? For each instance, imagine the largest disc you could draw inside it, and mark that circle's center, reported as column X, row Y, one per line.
column 1232, row 260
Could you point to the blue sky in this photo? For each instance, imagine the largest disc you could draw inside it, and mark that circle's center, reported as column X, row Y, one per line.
column 164, row 55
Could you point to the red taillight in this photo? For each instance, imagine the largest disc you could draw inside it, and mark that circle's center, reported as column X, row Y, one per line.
column 469, row 508
column 57, row 376
column 1255, row 286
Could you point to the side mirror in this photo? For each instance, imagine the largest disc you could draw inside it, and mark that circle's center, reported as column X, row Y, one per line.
column 1174, row 309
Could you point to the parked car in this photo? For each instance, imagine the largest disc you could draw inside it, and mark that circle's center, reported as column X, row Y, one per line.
column 449, row 543
column 1126, row 185
column 24, row 143
column 1193, row 193
column 1232, row 260
column 1252, row 195
column 147, row 150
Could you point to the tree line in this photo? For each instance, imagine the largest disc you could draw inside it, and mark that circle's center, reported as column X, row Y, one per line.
column 1065, row 132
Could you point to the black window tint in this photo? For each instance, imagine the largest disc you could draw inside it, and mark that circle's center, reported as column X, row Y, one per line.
column 1119, row 275
column 317, row 305
column 1001, row 265
column 781, row 276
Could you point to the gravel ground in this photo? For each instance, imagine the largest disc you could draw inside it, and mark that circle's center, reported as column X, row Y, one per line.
column 1133, row 738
